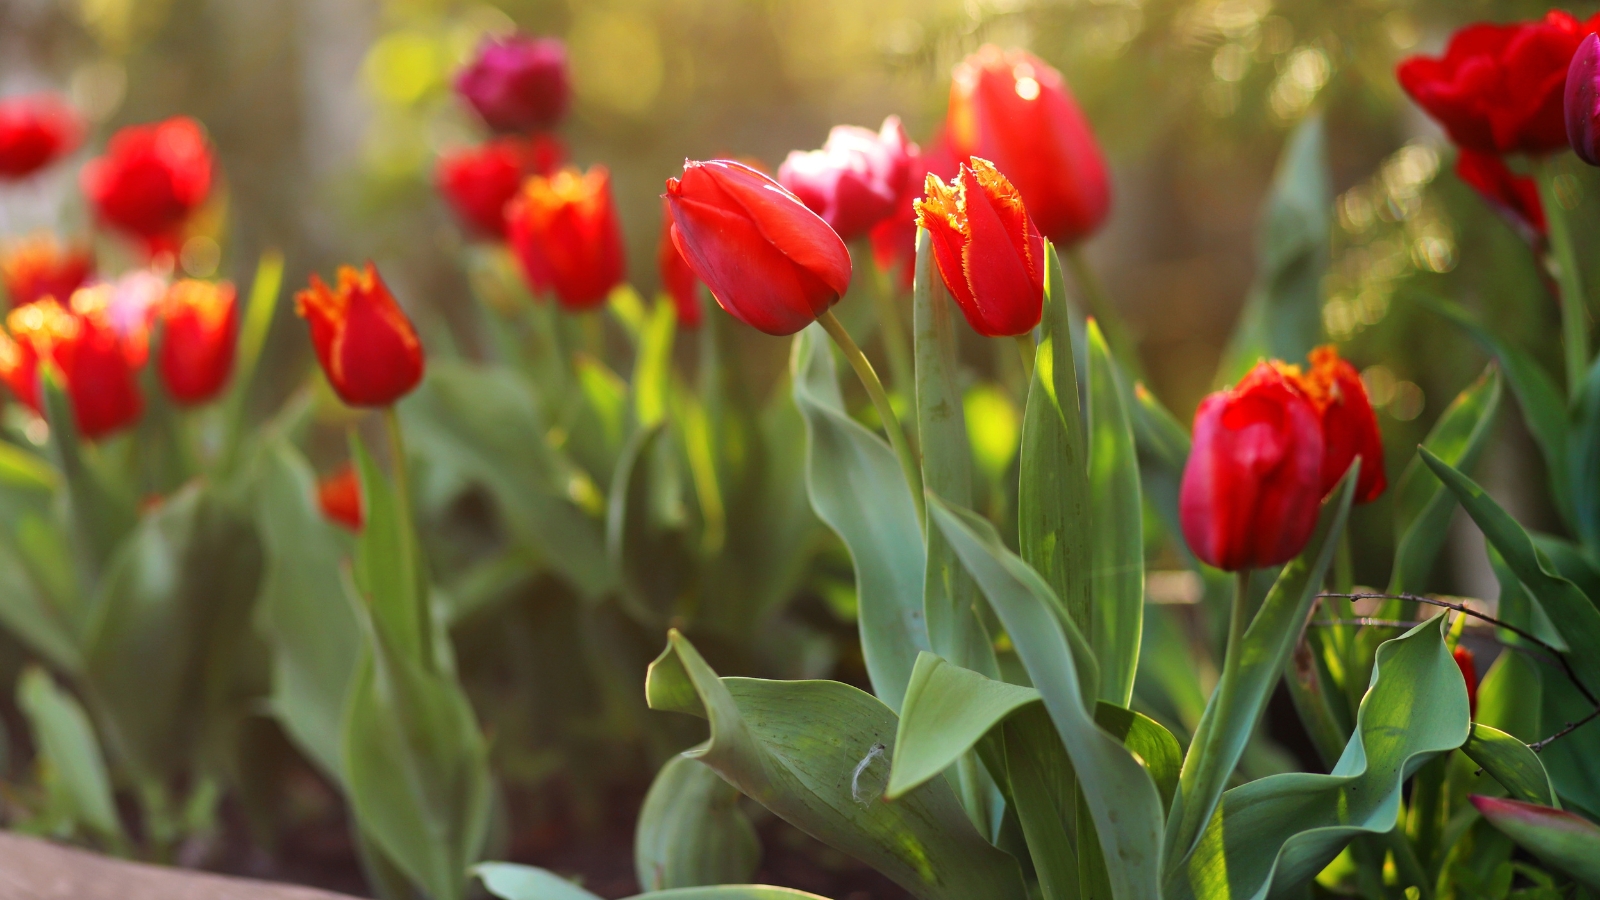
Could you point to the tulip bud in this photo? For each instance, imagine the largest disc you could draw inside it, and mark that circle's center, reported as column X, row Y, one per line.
column 1013, row 109
column 35, row 132
column 367, row 346
column 565, row 233
column 854, row 180
column 772, row 263
column 989, row 251
column 1349, row 426
column 199, row 319
column 1253, row 482
column 1515, row 197
column 517, row 83
column 40, row 266
column 339, row 496
column 89, row 354
column 1582, row 101
column 151, row 179
column 1469, row 673
column 677, row 279
column 478, row 182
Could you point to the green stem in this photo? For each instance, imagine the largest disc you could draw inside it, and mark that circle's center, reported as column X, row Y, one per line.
column 1406, row 864
column 880, row 401
column 1099, row 303
column 1574, row 314
column 901, row 371
column 408, row 526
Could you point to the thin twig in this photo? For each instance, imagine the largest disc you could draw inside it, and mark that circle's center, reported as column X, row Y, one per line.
column 1362, row 620
column 1568, row 729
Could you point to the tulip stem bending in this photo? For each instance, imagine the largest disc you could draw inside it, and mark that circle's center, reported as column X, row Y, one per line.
column 1574, row 314
column 880, row 402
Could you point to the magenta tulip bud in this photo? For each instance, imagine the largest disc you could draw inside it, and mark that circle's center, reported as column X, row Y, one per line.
column 1583, row 101
column 517, row 83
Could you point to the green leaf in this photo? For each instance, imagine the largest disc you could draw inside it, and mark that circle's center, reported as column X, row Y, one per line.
column 1512, row 763
column 26, row 471
column 1562, row 840
column 100, row 511
column 389, row 570
column 1511, row 694
column 1583, row 455
column 691, row 831
column 607, row 396
column 1272, row 836
column 510, row 881
column 69, row 757
column 856, row 487
column 1117, row 547
column 652, row 370
column 1422, row 506
column 260, row 306
column 39, row 602
column 1120, row 795
column 1248, row 678
column 1163, row 447
column 816, row 753
column 645, row 523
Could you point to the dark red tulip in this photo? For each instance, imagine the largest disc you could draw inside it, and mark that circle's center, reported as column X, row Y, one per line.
column 478, row 182
column 1253, row 482
column 517, row 83
column 1468, row 665
column 40, row 266
column 854, row 180
column 1500, row 88
column 151, row 179
column 677, row 279
column 894, row 240
column 339, row 496
column 89, row 354
column 1015, row 110
column 367, row 346
column 564, row 230
column 35, row 131
column 199, row 319
column 1515, row 197
column 989, row 252
column 772, row 263
column 1581, row 101
column 1349, row 426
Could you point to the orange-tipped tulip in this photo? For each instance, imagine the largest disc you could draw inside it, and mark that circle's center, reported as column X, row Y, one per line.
column 41, row 266
column 1349, row 426
column 365, row 343
column 199, row 319
column 989, row 252
column 478, row 182
column 89, row 354
column 771, row 263
column 564, row 230
column 339, row 495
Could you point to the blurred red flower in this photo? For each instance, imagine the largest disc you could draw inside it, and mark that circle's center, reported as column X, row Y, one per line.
column 366, row 345
column 41, row 266
column 677, row 279
column 199, row 319
column 1515, row 197
column 88, row 353
column 1468, row 665
column 478, row 182
column 564, row 230
column 35, row 131
column 854, row 180
column 894, row 239
column 339, row 495
column 151, row 179
column 517, row 83
column 989, row 251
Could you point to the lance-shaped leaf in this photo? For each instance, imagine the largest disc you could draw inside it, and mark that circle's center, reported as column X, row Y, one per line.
column 100, row 509
column 510, row 881
column 1248, row 678
column 1272, row 836
column 1583, row 456
column 1116, row 584
column 691, row 831
column 856, row 488
column 645, row 523
column 69, row 760
column 1512, row 763
column 1120, row 795
column 816, row 753
column 1562, row 840
column 1163, row 452
column 1422, row 505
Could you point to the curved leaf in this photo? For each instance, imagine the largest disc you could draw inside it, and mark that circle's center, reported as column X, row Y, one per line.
column 1563, row 840
column 1584, row 458
column 510, row 881
column 69, row 760
column 1116, row 578
column 691, row 831
column 1509, row 760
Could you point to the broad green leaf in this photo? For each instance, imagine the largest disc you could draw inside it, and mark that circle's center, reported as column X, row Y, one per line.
column 1570, row 561
column 1422, row 505
column 652, row 369
column 22, row 469
column 68, row 756
column 607, row 396
column 856, row 487
column 1249, row 676
column 817, row 754
column 1560, row 839
column 1543, row 408
column 1120, row 795
column 1270, row 837
column 1116, row 580
column 1509, row 760
column 1573, row 761
column 1282, row 317
column 644, row 525
column 48, row 621
column 1043, row 790
column 510, row 881
column 1511, row 694
column 389, row 570
column 100, row 511
column 691, row 831
column 1583, row 456
column 1053, row 502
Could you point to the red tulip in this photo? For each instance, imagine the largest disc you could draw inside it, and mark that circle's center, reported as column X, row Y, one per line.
column 89, row 354
column 894, row 240
column 1253, row 482
column 1349, row 427
column 1014, row 109
column 1581, row 101
column 677, row 279
column 518, row 83
column 35, row 132
column 1500, row 88
column 771, row 263
column 479, row 181
column 564, row 231
column 151, row 179
column 989, row 251
column 339, row 495
column 1515, row 197
column 40, row 266
column 1469, row 673
column 363, row 339
column 199, row 319
column 854, row 180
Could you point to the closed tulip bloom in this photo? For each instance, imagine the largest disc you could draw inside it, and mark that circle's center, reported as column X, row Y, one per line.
column 1581, row 101
column 1349, row 426
column 1468, row 664
column 517, row 83
column 565, row 233
column 41, row 266
column 989, row 252
column 99, row 380
column 366, row 345
column 1015, row 110
column 339, row 495
column 1514, row 197
column 199, row 320
column 1500, row 88
column 771, row 262
column 854, row 180
column 151, row 179
column 35, row 131
column 1253, row 482
column 478, row 182
column 677, row 279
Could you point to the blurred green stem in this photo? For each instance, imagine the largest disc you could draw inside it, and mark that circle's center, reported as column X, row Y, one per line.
column 1574, row 311
column 1099, row 303
column 901, row 373
column 880, row 401
column 408, row 526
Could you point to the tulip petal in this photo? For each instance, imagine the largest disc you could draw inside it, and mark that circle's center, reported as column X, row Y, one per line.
column 782, row 220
